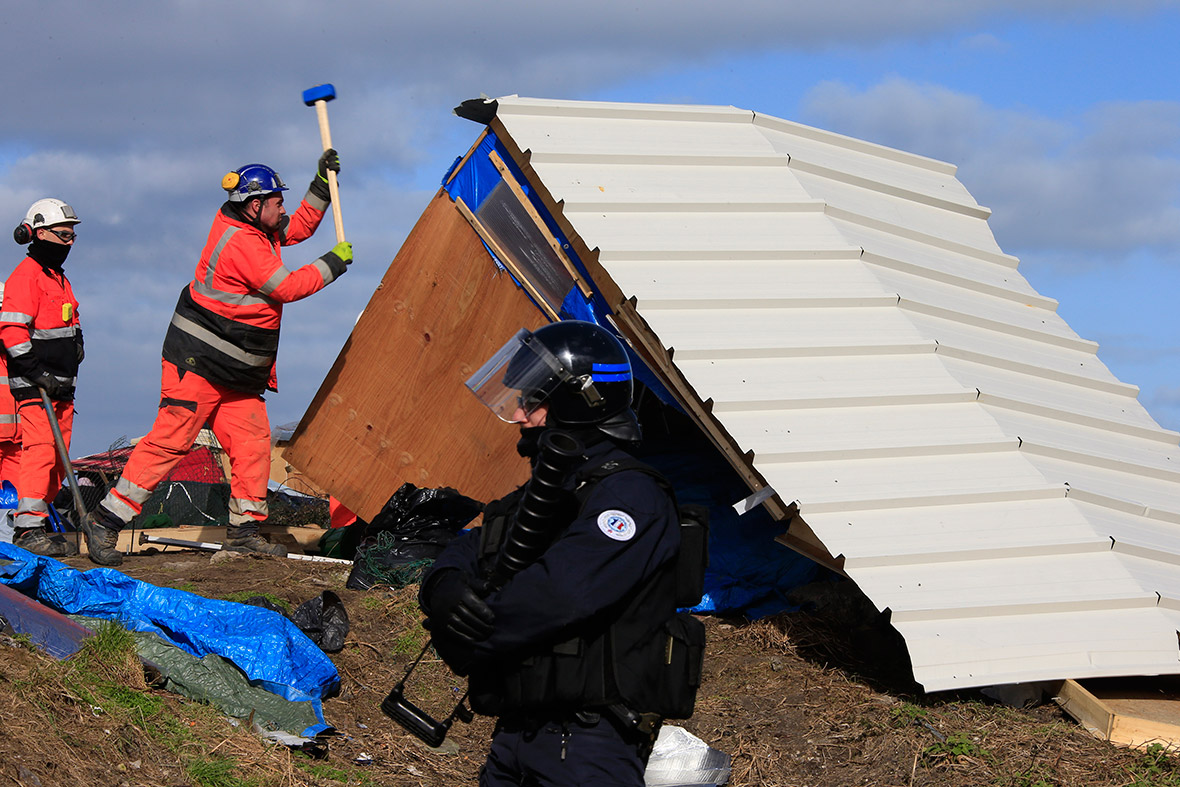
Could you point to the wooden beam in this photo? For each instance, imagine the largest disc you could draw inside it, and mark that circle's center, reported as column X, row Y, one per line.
column 505, row 258
column 510, row 179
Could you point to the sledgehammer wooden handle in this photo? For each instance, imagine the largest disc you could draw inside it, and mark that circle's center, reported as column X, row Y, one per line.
column 319, row 97
column 321, row 113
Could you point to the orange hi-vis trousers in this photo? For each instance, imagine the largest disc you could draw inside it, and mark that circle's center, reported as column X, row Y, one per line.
column 187, row 402
column 41, row 469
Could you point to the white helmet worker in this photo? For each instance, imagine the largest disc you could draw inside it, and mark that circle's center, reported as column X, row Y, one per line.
column 48, row 212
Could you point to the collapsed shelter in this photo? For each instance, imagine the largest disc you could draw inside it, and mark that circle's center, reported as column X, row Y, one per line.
column 838, row 320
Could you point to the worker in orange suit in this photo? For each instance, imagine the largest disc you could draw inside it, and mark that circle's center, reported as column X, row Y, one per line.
column 42, row 337
column 219, row 354
column 9, row 421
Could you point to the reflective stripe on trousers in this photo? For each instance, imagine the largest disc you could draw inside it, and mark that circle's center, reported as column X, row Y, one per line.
column 238, row 420
column 41, row 469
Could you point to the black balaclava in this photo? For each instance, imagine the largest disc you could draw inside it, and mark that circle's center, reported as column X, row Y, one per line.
column 49, row 253
column 529, row 444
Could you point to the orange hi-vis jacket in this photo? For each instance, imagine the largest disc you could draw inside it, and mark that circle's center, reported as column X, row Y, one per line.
column 39, row 328
column 226, row 324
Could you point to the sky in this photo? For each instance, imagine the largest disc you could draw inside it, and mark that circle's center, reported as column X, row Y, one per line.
column 1062, row 116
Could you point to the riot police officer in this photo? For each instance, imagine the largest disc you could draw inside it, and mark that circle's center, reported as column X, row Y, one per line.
column 577, row 649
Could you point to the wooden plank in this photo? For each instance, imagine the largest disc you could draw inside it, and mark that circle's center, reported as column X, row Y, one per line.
column 300, row 538
column 1131, row 712
column 802, row 539
column 394, row 408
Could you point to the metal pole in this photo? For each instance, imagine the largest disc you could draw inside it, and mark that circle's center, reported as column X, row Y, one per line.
column 64, row 453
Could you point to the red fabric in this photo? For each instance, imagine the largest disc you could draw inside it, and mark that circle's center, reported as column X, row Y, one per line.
column 8, row 431
column 338, row 514
column 10, row 462
column 238, row 420
column 248, row 261
column 41, row 469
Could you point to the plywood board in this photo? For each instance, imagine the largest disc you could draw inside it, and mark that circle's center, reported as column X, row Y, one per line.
column 283, row 472
column 394, row 408
column 1126, row 711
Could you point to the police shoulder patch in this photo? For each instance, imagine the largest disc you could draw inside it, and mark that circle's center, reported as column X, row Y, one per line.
column 617, row 525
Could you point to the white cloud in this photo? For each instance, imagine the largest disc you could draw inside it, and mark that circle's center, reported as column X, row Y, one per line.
column 1102, row 186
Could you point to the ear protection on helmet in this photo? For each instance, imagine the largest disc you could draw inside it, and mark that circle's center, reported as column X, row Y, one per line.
column 23, row 234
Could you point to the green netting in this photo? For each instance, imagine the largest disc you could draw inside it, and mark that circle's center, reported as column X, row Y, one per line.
column 372, row 561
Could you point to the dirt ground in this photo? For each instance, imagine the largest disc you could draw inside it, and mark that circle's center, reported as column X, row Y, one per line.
column 796, row 700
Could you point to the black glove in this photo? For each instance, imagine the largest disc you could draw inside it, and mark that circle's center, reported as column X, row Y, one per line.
column 319, row 184
column 51, row 385
column 454, row 603
column 81, row 350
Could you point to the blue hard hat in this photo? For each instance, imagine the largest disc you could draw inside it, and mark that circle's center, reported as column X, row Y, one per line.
column 252, row 180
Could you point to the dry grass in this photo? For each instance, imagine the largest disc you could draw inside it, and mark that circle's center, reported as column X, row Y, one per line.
column 793, row 699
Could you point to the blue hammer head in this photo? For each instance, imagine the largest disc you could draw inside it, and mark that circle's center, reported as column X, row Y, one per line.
column 319, row 93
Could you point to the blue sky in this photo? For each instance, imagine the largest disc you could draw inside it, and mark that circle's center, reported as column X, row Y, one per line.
column 1063, row 117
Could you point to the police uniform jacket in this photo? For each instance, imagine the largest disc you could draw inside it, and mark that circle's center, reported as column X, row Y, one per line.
column 581, row 626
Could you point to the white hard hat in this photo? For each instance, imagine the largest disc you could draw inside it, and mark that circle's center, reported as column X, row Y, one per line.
column 49, row 212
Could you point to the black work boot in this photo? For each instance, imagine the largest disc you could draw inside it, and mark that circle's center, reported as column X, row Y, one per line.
column 102, row 537
column 37, row 541
column 245, row 538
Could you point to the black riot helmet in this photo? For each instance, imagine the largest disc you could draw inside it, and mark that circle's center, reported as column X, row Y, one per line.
column 579, row 369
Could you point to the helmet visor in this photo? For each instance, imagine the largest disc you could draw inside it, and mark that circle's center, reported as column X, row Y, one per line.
column 520, row 376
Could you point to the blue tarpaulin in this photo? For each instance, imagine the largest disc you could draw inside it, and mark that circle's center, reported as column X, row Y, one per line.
column 267, row 647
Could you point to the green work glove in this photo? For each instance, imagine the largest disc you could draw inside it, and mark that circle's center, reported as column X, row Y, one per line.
column 338, row 259
column 329, row 161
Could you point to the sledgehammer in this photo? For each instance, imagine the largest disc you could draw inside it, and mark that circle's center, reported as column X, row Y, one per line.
column 319, row 97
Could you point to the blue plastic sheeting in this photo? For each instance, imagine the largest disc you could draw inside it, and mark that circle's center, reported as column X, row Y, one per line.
column 749, row 573
column 271, row 651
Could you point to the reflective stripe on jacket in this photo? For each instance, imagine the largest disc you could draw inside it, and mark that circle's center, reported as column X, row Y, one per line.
column 39, row 328
column 226, row 324
column 9, row 420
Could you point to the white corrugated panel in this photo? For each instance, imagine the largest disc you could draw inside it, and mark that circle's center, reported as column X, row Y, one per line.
column 847, row 309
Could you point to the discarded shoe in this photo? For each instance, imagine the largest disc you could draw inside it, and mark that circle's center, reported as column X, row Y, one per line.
column 37, row 541
column 102, row 543
column 246, row 539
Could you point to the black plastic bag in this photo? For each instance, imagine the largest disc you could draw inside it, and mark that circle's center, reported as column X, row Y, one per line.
column 324, row 620
column 408, row 534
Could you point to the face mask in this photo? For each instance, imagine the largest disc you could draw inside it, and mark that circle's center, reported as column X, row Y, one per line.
column 47, row 253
